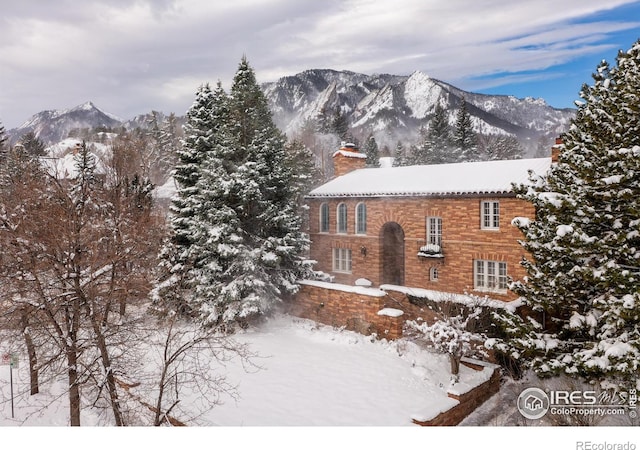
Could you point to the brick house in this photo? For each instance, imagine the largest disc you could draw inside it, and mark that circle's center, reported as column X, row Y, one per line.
column 439, row 227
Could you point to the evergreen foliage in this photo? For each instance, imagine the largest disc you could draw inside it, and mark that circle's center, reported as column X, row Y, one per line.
column 501, row 147
column 32, row 145
column 340, row 125
column 435, row 146
column 3, row 144
column 583, row 281
column 237, row 232
column 371, row 150
column 399, row 155
column 465, row 147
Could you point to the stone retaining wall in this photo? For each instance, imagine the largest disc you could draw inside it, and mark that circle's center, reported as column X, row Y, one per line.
column 468, row 402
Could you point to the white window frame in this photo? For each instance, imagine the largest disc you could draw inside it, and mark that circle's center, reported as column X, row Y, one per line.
column 361, row 222
column 490, row 215
column 341, row 218
column 324, row 218
column 342, row 260
column 434, row 230
column 490, row 276
column 434, row 274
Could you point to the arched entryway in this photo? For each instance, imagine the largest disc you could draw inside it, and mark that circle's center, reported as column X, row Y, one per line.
column 392, row 244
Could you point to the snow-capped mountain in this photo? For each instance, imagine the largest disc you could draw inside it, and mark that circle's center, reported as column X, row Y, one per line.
column 54, row 125
column 394, row 107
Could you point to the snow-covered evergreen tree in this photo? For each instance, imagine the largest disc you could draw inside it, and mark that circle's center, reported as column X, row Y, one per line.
column 4, row 145
column 372, row 152
column 177, row 257
column 465, row 147
column 399, row 155
column 584, row 270
column 500, row 147
column 239, row 221
column 435, row 147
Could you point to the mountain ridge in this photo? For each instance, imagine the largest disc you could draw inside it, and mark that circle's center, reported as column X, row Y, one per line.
column 392, row 107
column 395, row 107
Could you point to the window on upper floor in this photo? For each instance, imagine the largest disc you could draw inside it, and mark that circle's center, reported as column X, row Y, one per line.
column 490, row 215
column 341, row 223
column 342, row 260
column 490, row 275
column 361, row 218
column 434, row 231
column 324, row 218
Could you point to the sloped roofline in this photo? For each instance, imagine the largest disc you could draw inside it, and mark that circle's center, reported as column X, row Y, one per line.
column 442, row 180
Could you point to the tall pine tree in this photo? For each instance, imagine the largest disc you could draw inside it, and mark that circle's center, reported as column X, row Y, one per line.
column 371, row 150
column 465, row 147
column 4, row 144
column 584, row 271
column 240, row 222
column 399, row 155
column 177, row 257
column 436, row 146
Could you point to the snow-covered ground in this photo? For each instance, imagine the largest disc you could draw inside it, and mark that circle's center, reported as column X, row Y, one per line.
column 304, row 374
column 318, row 379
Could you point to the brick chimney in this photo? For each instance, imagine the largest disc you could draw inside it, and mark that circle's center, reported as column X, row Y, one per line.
column 348, row 159
column 556, row 149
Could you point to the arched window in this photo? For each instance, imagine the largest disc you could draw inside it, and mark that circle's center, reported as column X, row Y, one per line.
column 361, row 218
column 324, row 218
column 342, row 218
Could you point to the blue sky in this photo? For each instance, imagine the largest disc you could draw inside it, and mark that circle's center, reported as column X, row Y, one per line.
column 132, row 56
column 560, row 84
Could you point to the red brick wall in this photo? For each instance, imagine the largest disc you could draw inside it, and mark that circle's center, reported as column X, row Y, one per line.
column 344, row 164
column 341, row 308
column 463, row 239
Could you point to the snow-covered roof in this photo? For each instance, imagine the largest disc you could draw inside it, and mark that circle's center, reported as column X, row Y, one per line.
column 350, row 154
column 486, row 177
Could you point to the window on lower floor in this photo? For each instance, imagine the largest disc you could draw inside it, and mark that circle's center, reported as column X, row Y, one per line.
column 342, row 260
column 434, row 274
column 490, row 275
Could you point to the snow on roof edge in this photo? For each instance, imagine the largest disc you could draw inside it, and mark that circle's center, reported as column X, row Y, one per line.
column 411, row 194
column 349, row 154
column 477, row 178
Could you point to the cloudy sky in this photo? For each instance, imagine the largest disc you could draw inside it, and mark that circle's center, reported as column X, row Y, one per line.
column 130, row 57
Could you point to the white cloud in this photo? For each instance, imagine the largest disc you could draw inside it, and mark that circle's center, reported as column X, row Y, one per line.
column 144, row 54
